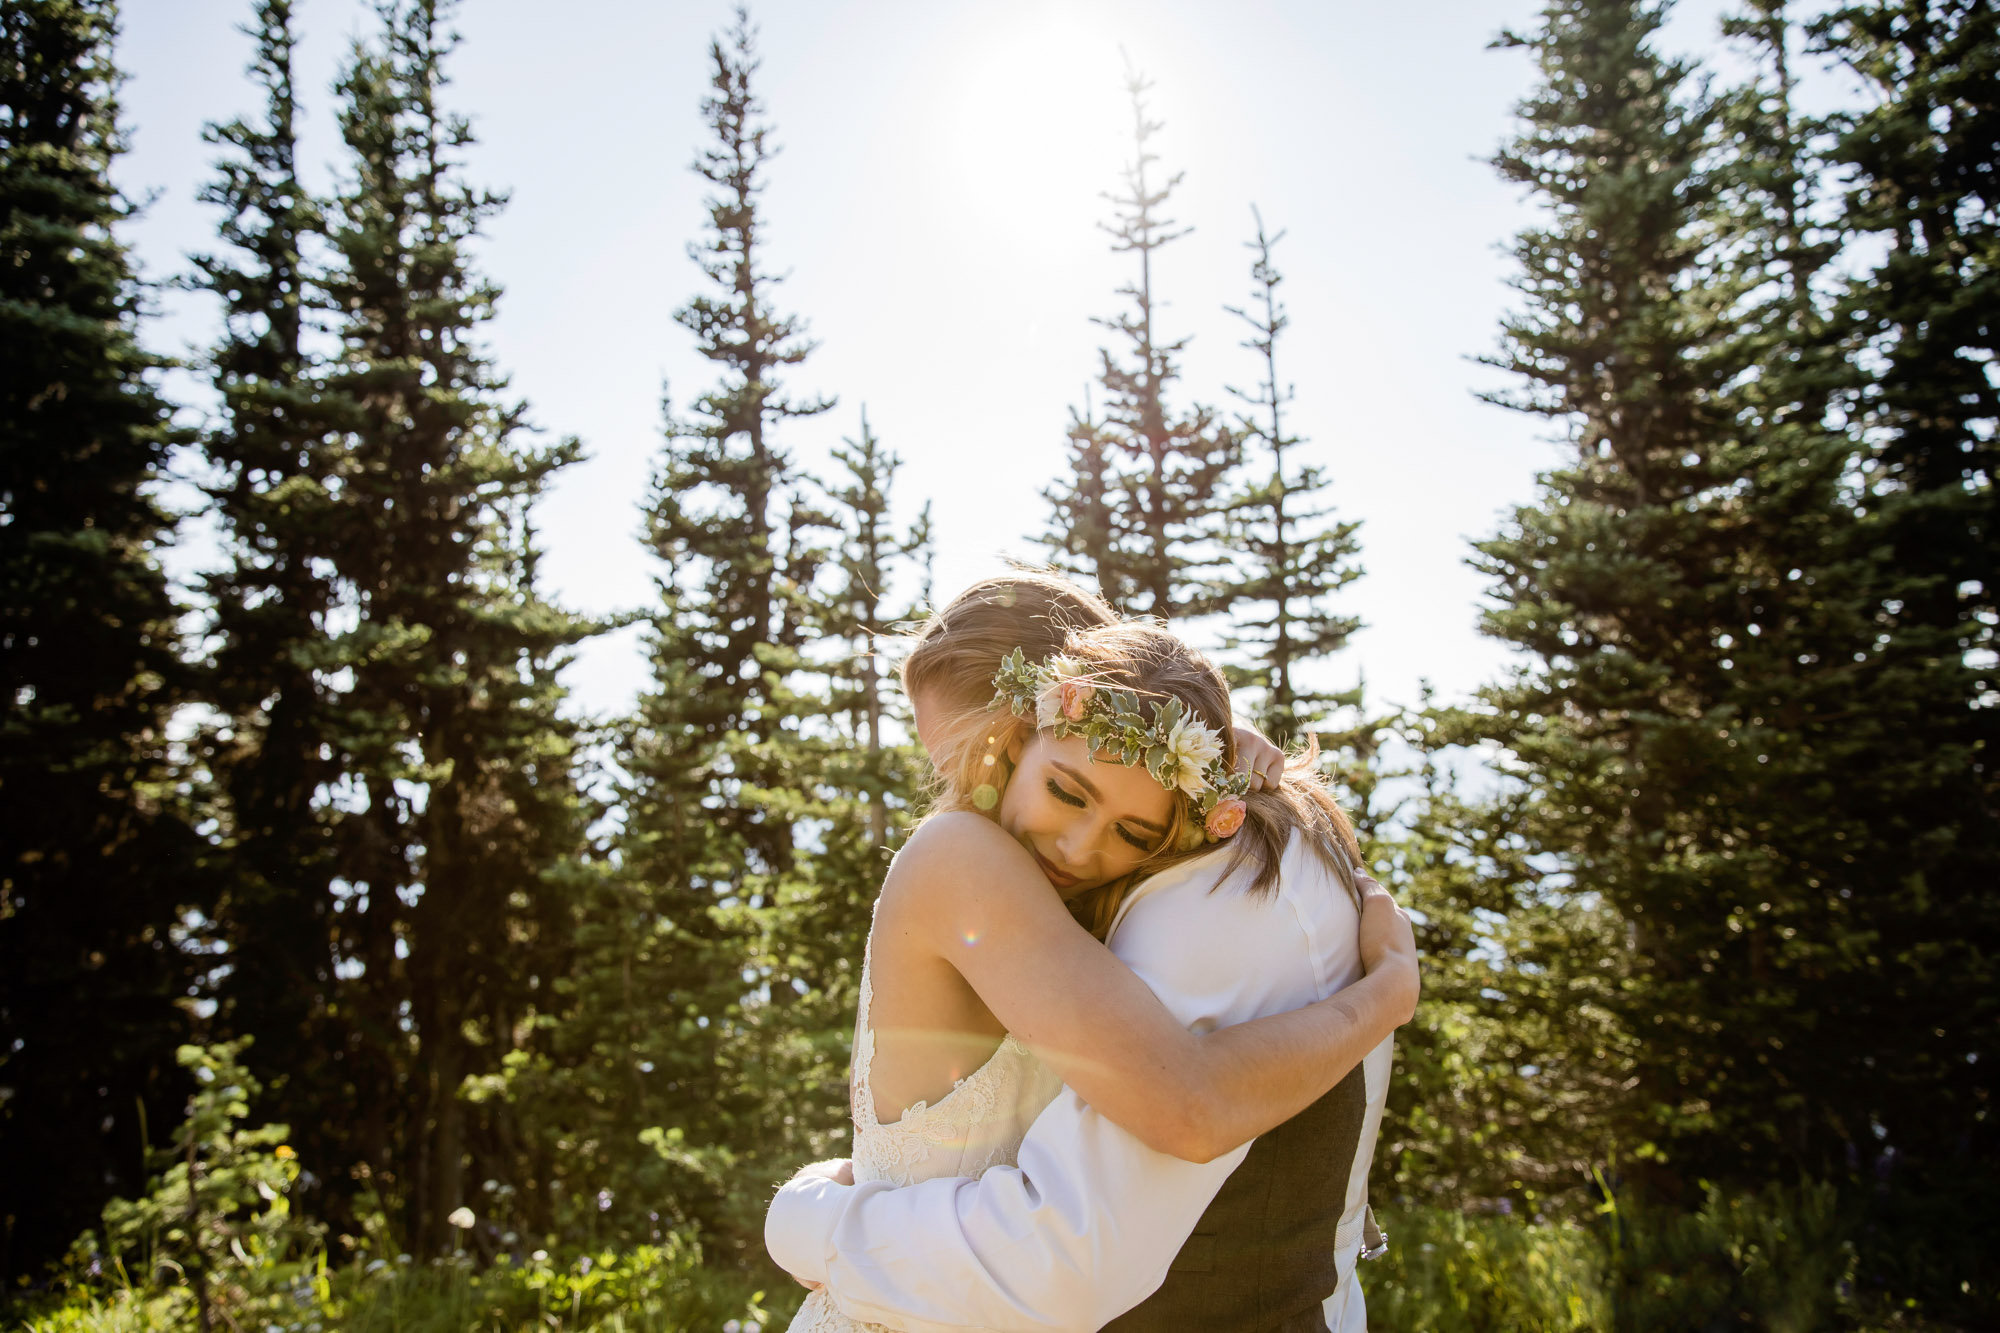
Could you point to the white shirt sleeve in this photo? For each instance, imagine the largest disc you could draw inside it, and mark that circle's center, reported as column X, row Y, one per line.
column 1086, row 1226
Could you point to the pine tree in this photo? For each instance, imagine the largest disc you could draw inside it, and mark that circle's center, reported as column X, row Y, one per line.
column 854, row 797
column 274, row 453
column 1727, row 735
column 1913, row 724
column 1511, row 1079
column 1141, row 512
column 101, row 866
column 1641, row 575
column 722, row 760
column 458, row 809
column 860, row 615
column 1296, row 560
column 869, row 778
column 1080, row 539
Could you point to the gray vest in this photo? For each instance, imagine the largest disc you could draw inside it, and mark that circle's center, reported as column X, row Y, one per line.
column 1261, row 1259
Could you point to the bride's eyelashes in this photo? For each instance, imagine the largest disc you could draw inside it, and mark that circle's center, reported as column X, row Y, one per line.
column 1067, row 797
column 1142, row 844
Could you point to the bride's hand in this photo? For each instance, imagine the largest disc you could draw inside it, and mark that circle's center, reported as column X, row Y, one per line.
column 1263, row 761
column 1388, row 943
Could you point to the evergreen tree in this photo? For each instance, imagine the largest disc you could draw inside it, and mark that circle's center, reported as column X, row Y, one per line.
column 1721, row 728
column 860, row 616
column 1142, row 510
column 1080, row 537
column 722, row 760
column 1913, row 724
column 1510, row 1081
column 855, row 806
column 275, row 454
column 101, row 867
column 1648, row 561
column 458, row 809
column 1297, row 561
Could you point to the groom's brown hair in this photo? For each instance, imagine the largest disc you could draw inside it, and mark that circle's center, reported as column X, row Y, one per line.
column 958, row 650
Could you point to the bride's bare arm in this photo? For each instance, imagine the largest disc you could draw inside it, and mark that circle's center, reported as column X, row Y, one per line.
column 980, row 903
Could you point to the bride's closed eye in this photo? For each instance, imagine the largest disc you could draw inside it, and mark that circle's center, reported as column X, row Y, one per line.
column 1139, row 842
column 1066, row 797
column 1145, row 845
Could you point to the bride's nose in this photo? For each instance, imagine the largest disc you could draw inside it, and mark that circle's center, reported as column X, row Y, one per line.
column 1076, row 844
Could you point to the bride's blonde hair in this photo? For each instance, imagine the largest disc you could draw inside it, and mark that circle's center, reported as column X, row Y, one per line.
column 959, row 652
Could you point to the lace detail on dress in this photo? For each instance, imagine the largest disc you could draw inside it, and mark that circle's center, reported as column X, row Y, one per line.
column 820, row 1315
column 978, row 1125
column 975, row 1126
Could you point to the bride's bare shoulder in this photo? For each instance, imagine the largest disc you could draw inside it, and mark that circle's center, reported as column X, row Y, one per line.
column 953, row 834
column 959, row 852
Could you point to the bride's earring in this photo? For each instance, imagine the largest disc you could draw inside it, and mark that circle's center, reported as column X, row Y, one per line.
column 986, row 795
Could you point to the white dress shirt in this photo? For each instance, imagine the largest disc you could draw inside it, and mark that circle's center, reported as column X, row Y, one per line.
column 1085, row 1227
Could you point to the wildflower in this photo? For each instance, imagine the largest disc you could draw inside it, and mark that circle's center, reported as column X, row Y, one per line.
column 461, row 1218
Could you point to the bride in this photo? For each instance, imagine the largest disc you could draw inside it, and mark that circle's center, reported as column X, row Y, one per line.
column 1093, row 772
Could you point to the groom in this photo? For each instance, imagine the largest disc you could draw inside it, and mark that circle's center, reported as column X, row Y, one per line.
column 1093, row 1229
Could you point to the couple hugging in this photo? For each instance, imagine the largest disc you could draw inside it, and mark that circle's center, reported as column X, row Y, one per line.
column 1130, row 939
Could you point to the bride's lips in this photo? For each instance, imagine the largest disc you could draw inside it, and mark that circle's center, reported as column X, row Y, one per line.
column 1055, row 876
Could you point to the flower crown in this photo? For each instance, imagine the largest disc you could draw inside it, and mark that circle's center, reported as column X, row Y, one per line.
column 1181, row 753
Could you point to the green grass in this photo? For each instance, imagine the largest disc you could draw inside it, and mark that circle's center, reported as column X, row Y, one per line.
column 1781, row 1260
column 651, row 1289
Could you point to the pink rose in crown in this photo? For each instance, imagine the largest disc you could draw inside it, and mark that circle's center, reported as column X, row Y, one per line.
column 1074, row 697
column 1227, row 817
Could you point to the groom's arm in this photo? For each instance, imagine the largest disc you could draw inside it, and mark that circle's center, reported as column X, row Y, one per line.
column 1081, row 1231
column 1089, row 1222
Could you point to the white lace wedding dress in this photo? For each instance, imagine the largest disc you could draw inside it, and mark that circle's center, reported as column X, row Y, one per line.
column 978, row 1124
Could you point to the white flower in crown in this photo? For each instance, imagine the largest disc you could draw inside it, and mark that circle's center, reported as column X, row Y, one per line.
column 1193, row 748
column 1065, row 692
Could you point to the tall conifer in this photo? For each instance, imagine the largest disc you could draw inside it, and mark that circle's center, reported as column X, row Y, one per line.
column 1640, row 570
column 1725, row 738
column 275, row 456
column 722, row 759
column 856, row 802
column 100, row 867
column 1297, row 561
column 861, row 614
column 1141, row 511
column 1914, row 723
column 458, row 808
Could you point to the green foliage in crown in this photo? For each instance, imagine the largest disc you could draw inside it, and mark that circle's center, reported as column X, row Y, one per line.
column 1180, row 752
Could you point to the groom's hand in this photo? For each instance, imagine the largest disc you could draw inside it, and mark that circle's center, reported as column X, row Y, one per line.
column 837, row 1169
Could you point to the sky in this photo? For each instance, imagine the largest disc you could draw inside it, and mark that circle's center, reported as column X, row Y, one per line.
column 935, row 213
